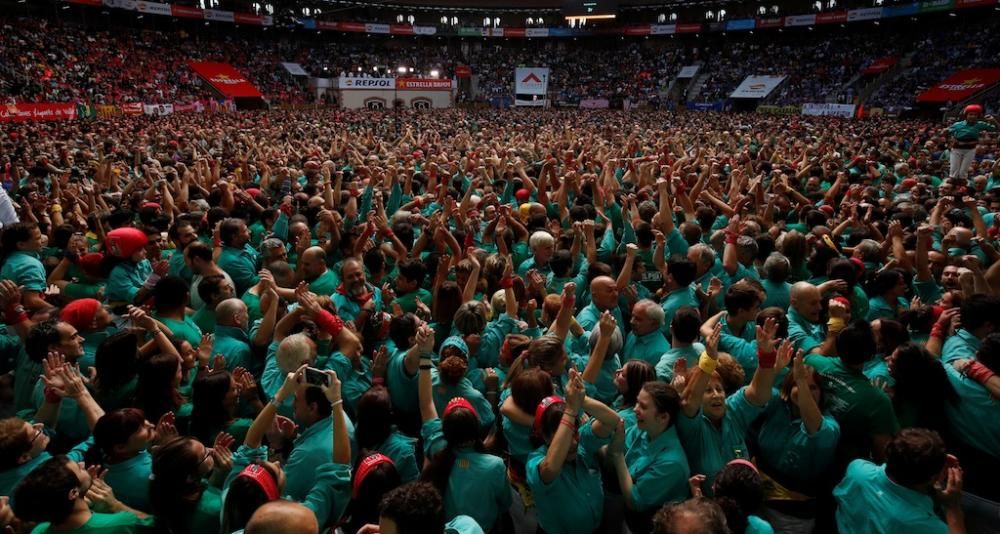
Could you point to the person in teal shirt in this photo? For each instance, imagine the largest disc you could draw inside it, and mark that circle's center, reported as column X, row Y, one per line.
column 449, row 380
column 472, row 483
column 28, row 441
column 231, row 340
column 803, row 317
column 713, row 428
column 22, row 242
column 684, row 331
column 127, row 461
column 900, row 496
column 777, row 290
column 680, row 275
column 563, row 473
column 355, row 294
column 312, row 265
column 889, row 287
column 604, row 297
column 55, row 496
column 980, row 317
column 419, row 504
column 312, row 447
column 976, row 417
column 646, row 341
column 411, row 274
column 238, row 258
column 649, row 461
column 966, row 134
column 126, row 281
column 182, row 234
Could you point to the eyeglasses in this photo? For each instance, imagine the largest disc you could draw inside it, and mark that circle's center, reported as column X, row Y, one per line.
column 38, row 432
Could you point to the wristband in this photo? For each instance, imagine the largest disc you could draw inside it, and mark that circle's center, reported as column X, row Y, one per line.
column 979, row 372
column 216, row 243
column 731, row 237
column 329, row 322
column 339, row 401
column 835, row 324
column 766, row 360
column 707, row 364
column 51, row 396
column 570, row 424
column 15, row 315
column 378, row 381
column 56, row 208
column 937, row 331
column 355, row 194
column 419, row 201
column 507, row 282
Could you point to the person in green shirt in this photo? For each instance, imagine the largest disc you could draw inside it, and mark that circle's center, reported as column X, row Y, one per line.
column 376, row 432
column 683, row 333
column 22, row 242
column 182, row 234
column 901, row 495
column 889, row 287
column 231, row 340
column 171, row 296
column 58, row 495
column 410, row 276
column 417, row 508
column 980, row 317
column 238, row 258
column 216, row 398
column 472, row 483
column 776, row 287
column 679, row 276
column 121, row 440
column 132, row 279
column 184, row 486
column 966, row 134
column 313, row 269
column 646, row 341
column 648, row 458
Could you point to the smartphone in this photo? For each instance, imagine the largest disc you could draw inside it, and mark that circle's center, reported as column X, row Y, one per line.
column 315, row 377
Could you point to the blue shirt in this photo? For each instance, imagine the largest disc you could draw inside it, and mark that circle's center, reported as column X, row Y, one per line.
column 658, row 467
column 126, row 279
column 648, row 347
column 961, row 345
column 868, row 501
column 572, row 503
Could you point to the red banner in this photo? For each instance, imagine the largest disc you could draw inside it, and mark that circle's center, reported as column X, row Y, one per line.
column 514, row 32
column 187, row 12
column 358, row 27
column 961, row 85
column 831, row 17
column 689, row 28
column 225, row 79
column 881, row 64
column 771, row 23
column 463, row 71
column 963, row 4
column 637, row 30
column 132, row 108
column 401, row 29
column 248, row 18
column 37, row 112
column 431, row 84
column 92, row 3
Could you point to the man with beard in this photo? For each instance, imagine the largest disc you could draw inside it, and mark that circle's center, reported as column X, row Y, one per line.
column 355, row 298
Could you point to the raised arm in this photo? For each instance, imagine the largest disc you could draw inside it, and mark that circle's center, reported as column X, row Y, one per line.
column 341, row 441
column 694, row 394
column 563, row 441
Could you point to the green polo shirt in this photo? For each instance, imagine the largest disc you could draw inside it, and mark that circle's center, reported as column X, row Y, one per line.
column 325, row 284
column 177, row 267
column 665, row 367
column 26, row 269
column 648, row 347
column 976, row 418
column 234, row 345
column 477, row 485
column 573, row 503
column 187, row 329
column 125, row 281
column 130, row 481
column 117, row 523
column 960, row 346
column 659, row 468
column 964, row 131
column 408, row 301
column 788, row 453
column 779, row 294
column 313, row 447
column 709, row 448
column 868, row 501
column 805, row 335
column 241, row 265
column 677, row 299
column 204, row 319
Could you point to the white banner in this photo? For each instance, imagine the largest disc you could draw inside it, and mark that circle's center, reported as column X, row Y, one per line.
column 158, row 109
column 829, row 110
column 536, row 32
column 868, row 13
column 424, row 30
column 218, row 15
column 757, row 86
column 534, row 101
column 121, row 4
column 688, row 71
column 294, row 69
column 376, row 28
column 800, row 20
column 366, row 83
column 153, row 8
column 531, row 80
column 662, row 29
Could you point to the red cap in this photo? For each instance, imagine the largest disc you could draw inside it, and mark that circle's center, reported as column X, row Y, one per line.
column 908, row 183
column 367, row 466
column 858, row 265
column 459, row 402
column 123, row 242
column 253, row 192
column 827, row 209
column 842, row 300
column 91, row 264
column 80, row 313
column 972, row 108
column 522, row 195
column 150, row 205
column 544, row 405
column 263, row 478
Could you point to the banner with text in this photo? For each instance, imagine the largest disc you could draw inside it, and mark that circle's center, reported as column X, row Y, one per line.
column 345, row 82
column 429, row 84
column 225, row 79
column 37, row 112
column 531, row 80
column 961, row 85
column 828, row 110
column 757, row 86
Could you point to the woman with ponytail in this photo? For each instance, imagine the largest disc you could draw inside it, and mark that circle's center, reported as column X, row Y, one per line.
column 472, row 482
column 629, row 381
column 121, row 440
column 450, row 381
column 375, row 433
column 181, row 497
column 375, row 476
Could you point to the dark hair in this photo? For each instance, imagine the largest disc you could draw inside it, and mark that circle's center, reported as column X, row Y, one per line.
column 364, row 508
column 15, row 233
column 856, row 343
column 780, row 318
column 542, row 353
column 155, row 393
column 43, row 494
column 415, row 508
column 923, row 385
column 112, row 429
column 549, row 423
column 171, row 293
column 682, row 270
column 885, row 280
column 175, row 229
column 413, row 270
column 460, row 428
column 637, row 373
column 741, row 297
column 208, row 288
column 243, row 498
column 561, row 263
column 315, row 395
column 978, row 310
column 711, row 519
column 229, row 229
column 989, row 352
column 449, row 298
column 892, row 334
column 685, row 324
column 914, row 457
column 198, row 250
column 175, row 486
column 842, row 269
column 402, row 328
column 374, row 419
column 14, row 441
column 739, row 491
column 209, row 415
column 529, row 388
column 666, row 399
column 42, row 336
column 116, row 361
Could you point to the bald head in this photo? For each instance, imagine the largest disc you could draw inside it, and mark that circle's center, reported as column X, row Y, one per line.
column 604, row 292
column 806, row 300
column 231, row 312
column 313, row 262
column 282, row 517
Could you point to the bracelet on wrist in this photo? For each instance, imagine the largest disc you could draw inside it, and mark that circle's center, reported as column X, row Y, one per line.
column 707, row 364
column 336, row 403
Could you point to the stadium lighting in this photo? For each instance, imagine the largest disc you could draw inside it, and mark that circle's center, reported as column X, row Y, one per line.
column 435, row 73
column 411, row 70
column 401, row 69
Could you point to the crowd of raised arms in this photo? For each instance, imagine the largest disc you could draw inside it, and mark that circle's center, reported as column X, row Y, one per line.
column 506, row 321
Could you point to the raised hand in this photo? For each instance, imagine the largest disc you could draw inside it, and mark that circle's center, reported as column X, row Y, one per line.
column 607, row 324
column 765, row 335
column 712, row 342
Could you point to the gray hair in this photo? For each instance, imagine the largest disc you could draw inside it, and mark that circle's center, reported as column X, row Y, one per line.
column 616, row 344
column 777, row 268
column 870, row 250
column 653, row 310
column 540, row 238
column 706, row 254
column 293, row 351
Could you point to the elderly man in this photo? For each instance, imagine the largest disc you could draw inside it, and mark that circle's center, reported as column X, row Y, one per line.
column 282, row 517
column 231, row 339
column 355, row 298
column 804, row 329
column 312, row 268
column 646, row 340
column 603, row 297
column 542, row 247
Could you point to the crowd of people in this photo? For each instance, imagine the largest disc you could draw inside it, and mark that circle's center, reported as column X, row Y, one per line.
column 515, row 321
